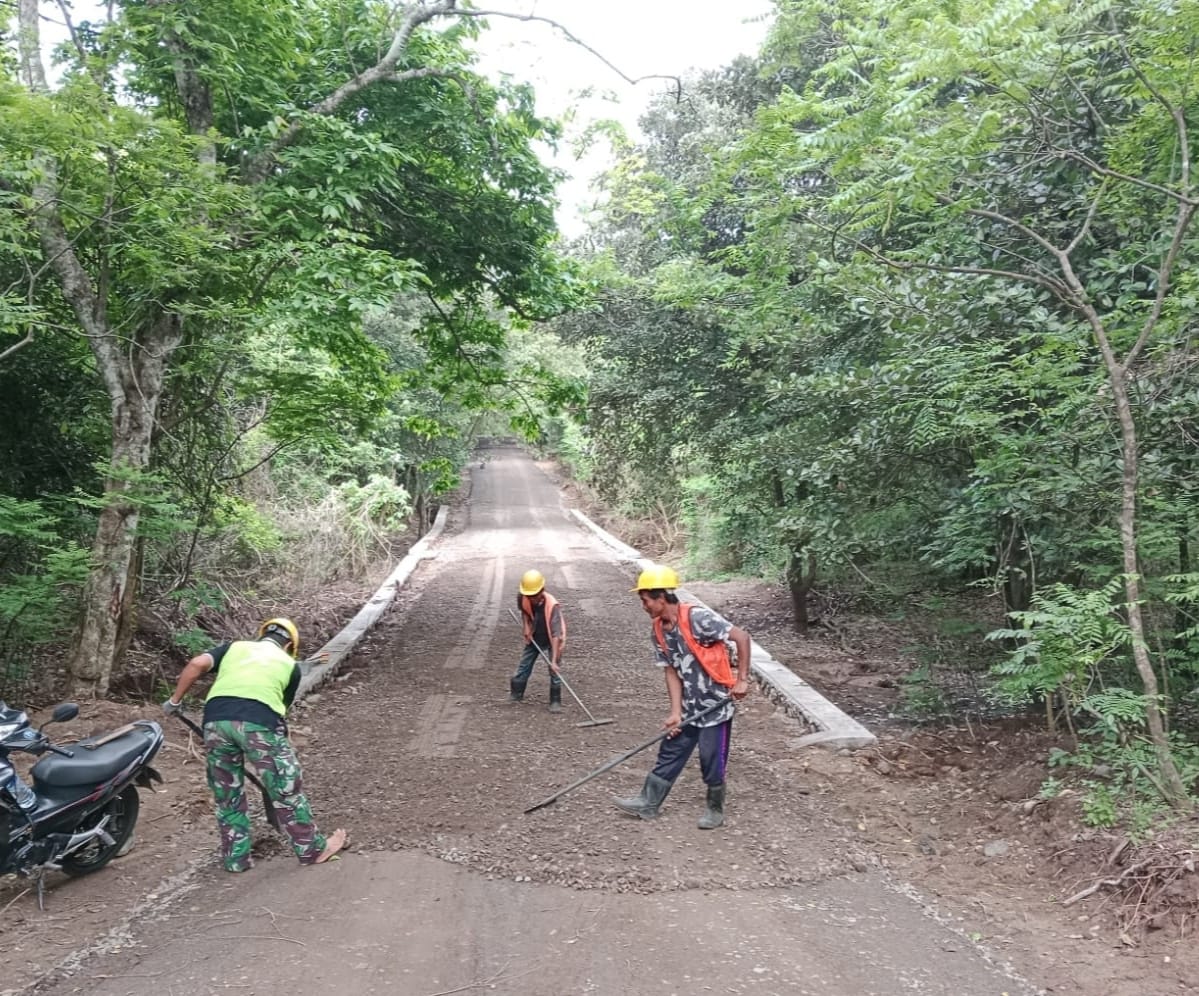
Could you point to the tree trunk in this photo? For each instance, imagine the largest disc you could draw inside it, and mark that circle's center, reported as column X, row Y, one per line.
column 104, row 598
column 1015, row 563
column 137, row 378
column 799, row 583
column 1172, row 785
column 133, row 371
column 127, row 625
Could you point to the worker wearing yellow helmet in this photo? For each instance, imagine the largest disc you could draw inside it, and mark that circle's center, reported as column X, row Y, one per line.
column 691, row 646
column 245, row 728
column 544, row 627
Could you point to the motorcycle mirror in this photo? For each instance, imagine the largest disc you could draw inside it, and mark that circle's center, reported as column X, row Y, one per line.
column 64, row 712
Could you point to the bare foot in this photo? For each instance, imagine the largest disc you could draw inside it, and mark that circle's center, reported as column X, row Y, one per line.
column 333, row 843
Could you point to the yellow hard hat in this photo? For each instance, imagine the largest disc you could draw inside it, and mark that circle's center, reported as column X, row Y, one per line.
column 531, row 582
column 282, row 627
column 656, row 576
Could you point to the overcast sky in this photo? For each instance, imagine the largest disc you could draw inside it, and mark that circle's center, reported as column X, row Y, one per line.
column 639, row 37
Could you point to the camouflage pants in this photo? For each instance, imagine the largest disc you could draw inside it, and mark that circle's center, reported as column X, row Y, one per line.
column 233, row 746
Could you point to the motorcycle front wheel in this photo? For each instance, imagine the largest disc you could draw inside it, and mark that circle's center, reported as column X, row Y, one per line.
column 121, row 811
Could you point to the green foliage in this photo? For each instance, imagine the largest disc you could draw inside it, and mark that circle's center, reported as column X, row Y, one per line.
column 573, row 448
column 254, row 533
column 1099, row 805
column 916, row 290
column 1182, row 592
column 376, row 508
column 160, row 518
column 40, row 575
column 193, row 599
column 55, row 421
column 1051, row 788
column 1115, row 776
column 708, row 523
column 1064, row 643
column 921, row 697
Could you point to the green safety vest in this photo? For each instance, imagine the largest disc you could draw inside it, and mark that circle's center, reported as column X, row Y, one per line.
column 254, row 669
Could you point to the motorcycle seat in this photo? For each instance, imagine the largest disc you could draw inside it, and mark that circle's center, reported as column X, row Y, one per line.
column 91, row 766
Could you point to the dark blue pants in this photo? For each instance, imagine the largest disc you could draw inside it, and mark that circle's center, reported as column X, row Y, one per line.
column 527, row 660
column 713, row 742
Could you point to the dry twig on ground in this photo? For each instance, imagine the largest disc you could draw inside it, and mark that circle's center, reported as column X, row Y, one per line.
column 1151, row 892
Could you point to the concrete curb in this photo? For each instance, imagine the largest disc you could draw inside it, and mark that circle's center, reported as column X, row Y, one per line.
column 834, row 729
column 336, row 649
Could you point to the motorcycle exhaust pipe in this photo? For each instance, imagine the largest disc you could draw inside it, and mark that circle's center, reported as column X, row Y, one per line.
column 78, row 840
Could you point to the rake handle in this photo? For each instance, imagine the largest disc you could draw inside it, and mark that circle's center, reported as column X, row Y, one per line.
column 565, row 684
column 609, row 765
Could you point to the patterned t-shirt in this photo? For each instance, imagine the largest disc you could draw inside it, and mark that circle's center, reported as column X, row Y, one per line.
column 699, row 690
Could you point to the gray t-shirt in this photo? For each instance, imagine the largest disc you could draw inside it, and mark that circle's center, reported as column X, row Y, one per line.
column 699, row 690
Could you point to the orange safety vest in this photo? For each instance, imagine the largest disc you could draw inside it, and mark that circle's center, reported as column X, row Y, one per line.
column 551, row 603
column 714, row 658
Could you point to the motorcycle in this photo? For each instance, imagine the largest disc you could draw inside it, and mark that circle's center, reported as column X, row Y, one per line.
column 84, row 801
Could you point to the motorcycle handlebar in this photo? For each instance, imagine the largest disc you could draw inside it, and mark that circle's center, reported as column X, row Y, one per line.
column 38, row 743
column 35, row 743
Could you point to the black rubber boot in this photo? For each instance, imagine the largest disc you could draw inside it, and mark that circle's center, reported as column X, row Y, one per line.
column 516, row 689
column 647, row 804
column 555, row 698
column 714, row 814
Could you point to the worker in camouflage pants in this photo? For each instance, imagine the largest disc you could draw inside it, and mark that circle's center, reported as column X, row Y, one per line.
column 245, row 727
column 232, row 746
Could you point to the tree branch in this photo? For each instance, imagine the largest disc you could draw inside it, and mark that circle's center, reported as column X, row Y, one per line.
column 76, row 285
column 1086, row 225
column 259, row 167
column 1104, row 171
column 1003, row 219
column 574, row 39
column 1185, row 214
column 17, row 345
column 1135, row 67
column 1055, row 287
column 385, row 70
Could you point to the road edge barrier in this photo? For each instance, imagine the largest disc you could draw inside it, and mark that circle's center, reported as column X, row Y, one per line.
column 334, row 652
column 833, row 728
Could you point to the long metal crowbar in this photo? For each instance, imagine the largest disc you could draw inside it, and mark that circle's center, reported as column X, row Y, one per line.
column 608, row 766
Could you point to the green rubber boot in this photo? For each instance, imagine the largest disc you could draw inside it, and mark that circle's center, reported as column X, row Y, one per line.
column 647, row 804
column 714, row 815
